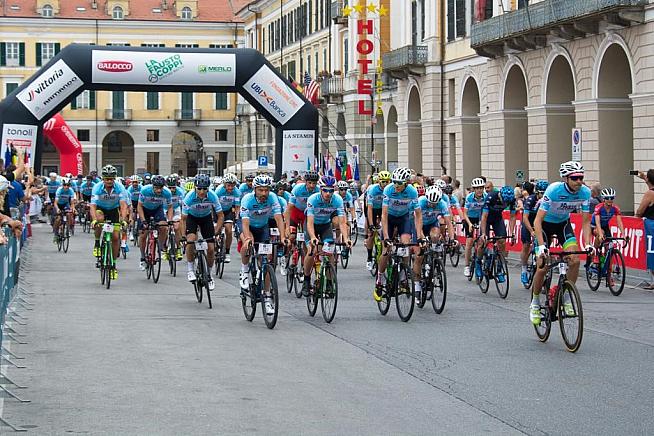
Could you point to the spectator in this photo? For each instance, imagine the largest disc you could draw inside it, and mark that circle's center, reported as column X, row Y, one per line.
column 16, row 194
column 646, row 211
column 5, row 219
column 595, row 197
column 458, row 192
column 489, row 187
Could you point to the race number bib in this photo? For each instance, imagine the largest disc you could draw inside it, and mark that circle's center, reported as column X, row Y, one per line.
column 201, row 245
column 108, row 227
column 274, row 231
column 265, row 248
column 328, row 248
column 300, row 236
column 403, row 251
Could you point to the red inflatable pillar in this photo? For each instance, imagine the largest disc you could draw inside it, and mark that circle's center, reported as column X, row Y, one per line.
column 70, row 150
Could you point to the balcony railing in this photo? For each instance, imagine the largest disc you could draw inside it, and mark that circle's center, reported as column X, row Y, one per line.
column 243, row 109
column 188, row 114
column 337, row 12
column 406, row 60
column 563, row 18
column 118, row 114
column 331, row 88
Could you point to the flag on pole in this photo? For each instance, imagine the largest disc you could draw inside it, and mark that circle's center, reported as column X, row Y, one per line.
column 308, row 164
column 348, row 172
column 311, row 88
column 296, row 85
column 356, row 168
column 338, row 168
column 316, row 164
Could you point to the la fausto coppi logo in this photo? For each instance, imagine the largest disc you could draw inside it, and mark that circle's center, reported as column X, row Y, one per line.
column 160, row 69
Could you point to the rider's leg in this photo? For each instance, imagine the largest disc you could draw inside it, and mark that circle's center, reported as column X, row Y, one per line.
column 229, row 231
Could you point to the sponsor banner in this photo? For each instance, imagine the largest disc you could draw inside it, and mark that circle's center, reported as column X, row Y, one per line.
column 17, row 137
column 70, row 149
column 52, row 87
column 273, row 94
column 298, row 149
column 164, row 68
column 635, row 253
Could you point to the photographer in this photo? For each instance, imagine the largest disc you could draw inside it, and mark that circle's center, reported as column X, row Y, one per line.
column 646, row 211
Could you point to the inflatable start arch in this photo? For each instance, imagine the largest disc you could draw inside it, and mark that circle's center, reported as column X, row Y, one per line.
column 79, row 67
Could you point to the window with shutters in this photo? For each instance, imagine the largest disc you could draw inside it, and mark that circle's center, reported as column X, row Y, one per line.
column 421, row 7
column 187, row 45
column 315, row 69
column 221, row 45
column 152, row 101
column 155, row 44
column 10, row 87
column 152, row 135
column 308, row 65
column 221, row 101
column 47, row 51
column 346, row 55
column 12, row 51
column 456, row 19
column 84, row 135
column 310, row 17
column 278, row 34
column 86, row 100
column 220, row 135
column 523, row 4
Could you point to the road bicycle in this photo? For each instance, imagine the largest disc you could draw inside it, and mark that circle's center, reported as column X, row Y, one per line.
column 219, row 256
column 453, row 250
column 63, row 232
column 531, row 267
column 295, row 263
column 201, row 267
column 434, row 278
column 562, row 303
column 607, row 263
column 171, row 249
column 263, row 284
column 106, row 261
column 399, row 283
column 325, row 284
column 494, row 267
column 354, row 232
column 377, row 250
column 153, row 251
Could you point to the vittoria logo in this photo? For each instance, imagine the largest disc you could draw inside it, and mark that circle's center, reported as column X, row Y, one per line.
column 43, row 85
column 115, row 66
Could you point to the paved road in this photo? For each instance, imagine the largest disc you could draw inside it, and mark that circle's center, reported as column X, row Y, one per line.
column 148, row 359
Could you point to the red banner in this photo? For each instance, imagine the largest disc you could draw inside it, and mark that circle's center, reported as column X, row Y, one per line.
column 70, row 150
column 635, row 253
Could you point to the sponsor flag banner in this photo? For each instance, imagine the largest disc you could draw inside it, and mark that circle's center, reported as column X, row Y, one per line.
column 17, row 137
column 298, row 150
column 273, row 94
column 70, row 149
column 164, row 68
column 52, row 87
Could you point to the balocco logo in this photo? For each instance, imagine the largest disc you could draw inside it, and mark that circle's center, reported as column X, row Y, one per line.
column 115, row 66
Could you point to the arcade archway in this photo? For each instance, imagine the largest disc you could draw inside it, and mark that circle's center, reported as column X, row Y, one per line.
column 118, row 150
column 186, row 154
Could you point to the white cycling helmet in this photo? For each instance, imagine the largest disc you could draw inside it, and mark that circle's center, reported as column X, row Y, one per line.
column 477, row 183
column 401, row 174
column 571, row 167
column 608, row 192
column 262, row 181
column 342, row 184
column 230, row 178
column 52, row 175
column 441, row 183
column 434, row 194
column 4, row 183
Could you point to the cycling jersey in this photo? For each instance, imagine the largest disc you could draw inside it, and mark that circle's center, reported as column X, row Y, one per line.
column 134, row 192
column 321, row 211
column 64, row 196
column 282, row 202
column 86, row 188
column 451, row 201
column 200, row 207
column 150, row 200
column 474, row 205
column 245, row 189
column 559, row 202
column 400, row 203
column 348, row 200
column 178, row 196
column 286, row 195
column 431, row 211
column 530, row 207
column 105, row 200
column 228, row 199
column 375, row 196
column 494, row 206
column 300, row 194
column 259, row 213
column 605, row 215
column 52, row 186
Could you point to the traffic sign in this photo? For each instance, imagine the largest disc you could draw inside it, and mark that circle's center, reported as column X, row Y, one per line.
column 263, row 161
column 576, row 144
column 519, row 176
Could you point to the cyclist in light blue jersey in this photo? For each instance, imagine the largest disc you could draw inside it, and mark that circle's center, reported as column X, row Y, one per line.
column 108, row 204
column 247, row 186
column 348, row 203
column 299, row 195
column 64, row 202
column 53, row 183
column 281, row 189
column 230, row 200
column 553, row 218
column 372, row 205
column 178, row 193
column 471, row 213
column 197, row 208
column 134, row 191
column 155, row 202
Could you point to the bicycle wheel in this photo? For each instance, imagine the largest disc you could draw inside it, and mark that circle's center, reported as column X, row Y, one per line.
column 531, row 270
column 269, row 277
column 108, row 264
column 345, row 257
column 220, row 258
column 438, row 285
column 329, row 296
column 156, row 262
column 482, row 281
column 354, row 234
column 455, row 255
column 501, row 275
column 616, row 272
column 66, row 242
column 375, row 264
column 299, row 274
column 473, row 262
column 60, row 240
column 204, row 275
column 100, row 261
column 405, row 293
column 545, row 327
column 426, row 273
column 197, row 286
column 571, row 320
column 594, row 274
column 312, row 299
column 290, row 278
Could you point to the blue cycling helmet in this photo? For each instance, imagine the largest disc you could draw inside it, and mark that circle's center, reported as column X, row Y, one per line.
column 327, row 182
column 507, row 193
column 202, row 181
column 542, row 185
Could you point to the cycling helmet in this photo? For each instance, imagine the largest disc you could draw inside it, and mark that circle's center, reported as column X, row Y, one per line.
column 448, row 189
column 477, row 183
column 262, row 181
column 53, row 175
column 420, row 189
column 354, row 185
column 384, row 175
column 507, row 193
column 249, row 177
column 65, row 181
column 147, row 179
column 569, row 168
column 327, row 182
column 69, row 175
column 230, row 178
column 608, row 192
column 137, row 179
column 342, row 184
column 375, row 178
column 189, row 186
column 201, row 181
column 401, row 174
column 158, row 181
column 109, row 171
column 434, row 194
column 542, row 185
column 311, row 176
column 4, row 183
column 441, row 183
column 172, row 180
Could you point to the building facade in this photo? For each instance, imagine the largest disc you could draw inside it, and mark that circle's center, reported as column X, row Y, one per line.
column 155, row 132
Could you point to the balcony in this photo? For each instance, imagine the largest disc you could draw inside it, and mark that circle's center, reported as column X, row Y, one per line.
column 184, row 115
column 551, row 20
column 118, row 115
column 243, row 109
column 331, row 88
column 337, row 12
column 405, row 61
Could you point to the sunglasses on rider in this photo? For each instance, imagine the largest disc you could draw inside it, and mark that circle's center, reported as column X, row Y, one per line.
column 202, row 189
column 576, row 178
column 609, row 198
column 397, row 183
column 328, row 191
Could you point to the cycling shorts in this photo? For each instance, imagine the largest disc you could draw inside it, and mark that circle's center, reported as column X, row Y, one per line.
column 376, row 217
column 563, row 231
column 229, row 215
column 52, row 196
column 110, row 215
column 605, row 229
column 156, row 214
column 426, row 228
column 297, row 217
column 323, row 232
column 205, row 225
column 525, row 235
column 135, row 205
column 498, row 226
column 86, row 198
column 260, row 234
column 401, row 224
column 469, row 231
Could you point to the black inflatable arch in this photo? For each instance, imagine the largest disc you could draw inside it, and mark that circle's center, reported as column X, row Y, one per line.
column 79, row 67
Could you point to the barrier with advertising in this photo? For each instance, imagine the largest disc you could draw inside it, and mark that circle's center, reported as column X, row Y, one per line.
column 17, row 137
column 298, row 150
column 635, row 253
column 70, row 150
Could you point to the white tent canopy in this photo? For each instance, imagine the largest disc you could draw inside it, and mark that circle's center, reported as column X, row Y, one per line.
column 249, row 166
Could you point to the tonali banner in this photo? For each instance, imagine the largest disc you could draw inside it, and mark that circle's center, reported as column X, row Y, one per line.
column 70, row 150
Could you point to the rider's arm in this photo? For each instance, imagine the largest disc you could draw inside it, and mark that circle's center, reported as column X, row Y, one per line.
column 220, row 218
column 618, row 219
column 169, row 212
column 384, row 222
column 585, row 225
column 450, row 228
column 245, row 228
column 140, row 211
column 124, row 211
column 369, row 214
column 280, row 224
column 538, row 226
column 92, row 209
column 182, row 225
column 526, row 223
column 417, row 212
column 512, row 225
column 482, row 223
column 310, row 229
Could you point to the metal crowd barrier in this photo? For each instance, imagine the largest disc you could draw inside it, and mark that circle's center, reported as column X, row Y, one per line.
column 9, row 267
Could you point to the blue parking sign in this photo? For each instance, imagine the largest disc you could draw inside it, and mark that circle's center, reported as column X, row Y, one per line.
column 263, row 161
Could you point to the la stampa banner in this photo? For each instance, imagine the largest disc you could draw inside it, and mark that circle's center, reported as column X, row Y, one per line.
column 298, row 150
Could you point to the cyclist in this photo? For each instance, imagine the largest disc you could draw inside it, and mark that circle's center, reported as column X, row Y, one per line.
column 321, row 208
column 64, row 202
column 603, row 213
column 155, row 202
column 230, row 201
column 530, row 208
column 433, row 208
column 108, row 203
column 215, row 183
column 197, row 208
column 134, row 190
column 298, row 203
column 257, row 208
column 281, row 189
column 473, row 205
column 399, row 205
column 53, row 183
column 348, row 204
column 178, row 193
column 553, row 218
column 491, row 218
column 373, row 199
column 246, row 187
column 147, row 179
column 85, row 189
